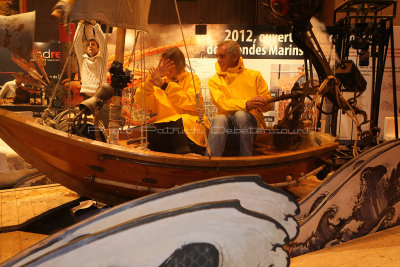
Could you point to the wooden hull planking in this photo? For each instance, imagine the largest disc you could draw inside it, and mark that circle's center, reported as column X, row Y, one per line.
column 113, row 174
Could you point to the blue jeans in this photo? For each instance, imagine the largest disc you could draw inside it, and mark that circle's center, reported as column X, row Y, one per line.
column 242, row 125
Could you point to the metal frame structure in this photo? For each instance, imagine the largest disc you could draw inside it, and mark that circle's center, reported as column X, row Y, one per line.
column 369, row 29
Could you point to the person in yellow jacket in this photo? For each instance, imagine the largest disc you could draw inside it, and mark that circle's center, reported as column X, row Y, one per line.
column 240, row 95
column 169, row 91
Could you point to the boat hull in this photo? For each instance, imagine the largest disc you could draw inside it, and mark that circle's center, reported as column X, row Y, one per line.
column 113, row 174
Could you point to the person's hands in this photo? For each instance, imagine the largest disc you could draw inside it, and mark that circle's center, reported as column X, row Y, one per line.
column 167, row 66
column 89, row 22
column 161, row 71
column 257, row 102
column 156, row 76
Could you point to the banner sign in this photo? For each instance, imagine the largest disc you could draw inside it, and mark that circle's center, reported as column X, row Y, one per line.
column 257, row 41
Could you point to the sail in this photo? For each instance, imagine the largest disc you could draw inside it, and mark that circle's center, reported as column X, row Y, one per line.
column 128, row 14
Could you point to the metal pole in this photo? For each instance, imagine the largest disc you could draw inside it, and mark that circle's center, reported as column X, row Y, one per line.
column 116, row 100
column 396, row 123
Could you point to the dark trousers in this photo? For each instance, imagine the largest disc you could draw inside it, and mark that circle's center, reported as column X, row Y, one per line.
column 168, row 137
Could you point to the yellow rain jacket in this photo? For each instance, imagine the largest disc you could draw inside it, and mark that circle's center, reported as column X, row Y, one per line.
column 231, row 90
column 177, row 101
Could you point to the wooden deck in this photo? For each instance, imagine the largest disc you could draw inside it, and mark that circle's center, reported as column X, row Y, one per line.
column 18, row 206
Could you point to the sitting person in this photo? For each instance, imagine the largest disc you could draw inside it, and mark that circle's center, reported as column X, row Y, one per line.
column 9, row 88
column 170, row 93
column 240, row 95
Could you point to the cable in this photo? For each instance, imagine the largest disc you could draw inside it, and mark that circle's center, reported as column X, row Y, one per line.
column 199, row 107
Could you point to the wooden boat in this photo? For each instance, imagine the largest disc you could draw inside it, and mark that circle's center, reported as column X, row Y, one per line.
column 226, row 221
column 113, row 173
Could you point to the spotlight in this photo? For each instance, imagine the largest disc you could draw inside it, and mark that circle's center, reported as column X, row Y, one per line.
column 201, row 29
column 280, row 7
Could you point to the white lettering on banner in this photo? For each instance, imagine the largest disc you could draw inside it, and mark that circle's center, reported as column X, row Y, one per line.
column 255, row 44
column 285, row 51
column 48, row 54
column 212, row 50
column 253, row 50
column 240, row 36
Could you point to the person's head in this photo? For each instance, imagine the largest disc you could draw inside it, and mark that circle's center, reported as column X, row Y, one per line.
column 174, row 54
column 92, row 47
column 228, row 54
column 18, row 78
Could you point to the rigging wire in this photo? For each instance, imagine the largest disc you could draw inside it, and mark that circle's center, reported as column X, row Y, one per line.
column 143, row 130
column 132, row 59
column 67, row 61
column 69, row 70
column 198, row 104
column 143, row 95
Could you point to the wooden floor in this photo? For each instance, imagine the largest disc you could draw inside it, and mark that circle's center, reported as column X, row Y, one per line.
column 14, row 242
column 378, row 249
column 17, row 206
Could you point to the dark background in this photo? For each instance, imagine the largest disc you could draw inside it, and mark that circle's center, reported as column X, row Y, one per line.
column 237, row 12
column 245, row 12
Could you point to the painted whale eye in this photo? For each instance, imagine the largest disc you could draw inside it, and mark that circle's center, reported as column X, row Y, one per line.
column 280, row 7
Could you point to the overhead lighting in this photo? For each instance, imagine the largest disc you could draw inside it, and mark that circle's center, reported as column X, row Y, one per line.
column 201, row 29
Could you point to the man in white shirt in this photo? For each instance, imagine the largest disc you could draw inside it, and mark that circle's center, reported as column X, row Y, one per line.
column 91, row 52
column 9, row 88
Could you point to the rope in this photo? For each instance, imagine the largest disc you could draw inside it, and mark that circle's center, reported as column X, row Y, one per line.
column 352, row 115
column 317, row 96
column 69, row 129
column 132, row 59
column 340, row 99
column 198, row 104
column 62, row 72
column 143, row 131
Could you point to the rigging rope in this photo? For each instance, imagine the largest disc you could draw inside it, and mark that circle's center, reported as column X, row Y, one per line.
column 143, row 130
column 198, row 104
column 62, row 72
column 132, row 59
column 340, row 99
